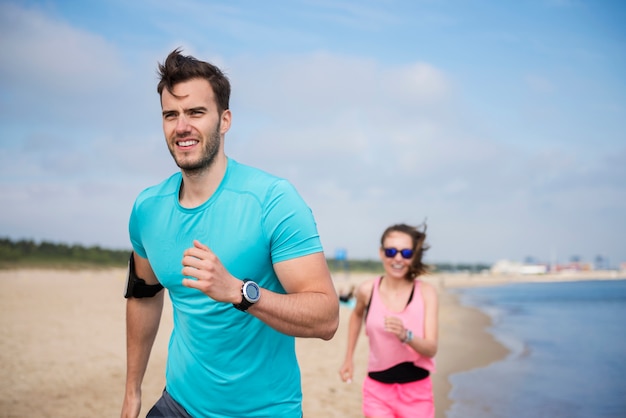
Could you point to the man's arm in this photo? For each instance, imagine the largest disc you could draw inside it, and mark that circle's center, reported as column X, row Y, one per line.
column 142, row 323
column 309, row 309
column 311, row 306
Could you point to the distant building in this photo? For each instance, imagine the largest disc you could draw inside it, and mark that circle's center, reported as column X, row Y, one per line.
column 513, row 267
column 574, row 266
column 534, row 269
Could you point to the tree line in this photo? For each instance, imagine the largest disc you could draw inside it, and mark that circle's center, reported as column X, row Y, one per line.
column 28, row 253
column 45, row 254
column 375, row 266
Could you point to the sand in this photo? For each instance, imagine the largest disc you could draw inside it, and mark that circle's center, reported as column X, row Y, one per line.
column 62, row 348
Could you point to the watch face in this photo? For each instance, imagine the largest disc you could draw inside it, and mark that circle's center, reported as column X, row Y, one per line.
column 252, row 291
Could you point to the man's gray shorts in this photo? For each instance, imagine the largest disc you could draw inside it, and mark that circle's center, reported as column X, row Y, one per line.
column 167, row 407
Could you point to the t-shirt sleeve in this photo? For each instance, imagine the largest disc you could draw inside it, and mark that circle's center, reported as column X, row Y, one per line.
column 134, row 231
column 289, row 223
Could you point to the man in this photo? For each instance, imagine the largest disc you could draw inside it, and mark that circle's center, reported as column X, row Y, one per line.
column 239, row 253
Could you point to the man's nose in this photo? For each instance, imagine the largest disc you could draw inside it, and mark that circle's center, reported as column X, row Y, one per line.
column 182, row 124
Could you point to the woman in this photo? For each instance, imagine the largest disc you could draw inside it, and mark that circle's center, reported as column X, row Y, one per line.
column 400, row 315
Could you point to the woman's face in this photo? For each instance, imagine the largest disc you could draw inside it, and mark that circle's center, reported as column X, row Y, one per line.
column 397, row 265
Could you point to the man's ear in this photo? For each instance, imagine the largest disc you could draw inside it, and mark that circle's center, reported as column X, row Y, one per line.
column 225, row 121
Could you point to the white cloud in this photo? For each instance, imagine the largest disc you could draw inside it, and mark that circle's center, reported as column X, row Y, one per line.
column 367, row 141
column 50, row 55
column 416, row 83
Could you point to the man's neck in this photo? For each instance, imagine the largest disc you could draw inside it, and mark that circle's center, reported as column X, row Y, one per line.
column 198, row 187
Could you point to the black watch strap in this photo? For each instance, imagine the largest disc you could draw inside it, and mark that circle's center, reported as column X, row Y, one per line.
column 244, row 305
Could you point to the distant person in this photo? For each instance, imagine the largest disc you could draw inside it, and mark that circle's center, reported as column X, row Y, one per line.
column 239, row 253
column 400, row 315
column 346, row 296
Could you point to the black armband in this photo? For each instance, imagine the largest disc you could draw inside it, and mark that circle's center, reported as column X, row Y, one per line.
column 137, row 287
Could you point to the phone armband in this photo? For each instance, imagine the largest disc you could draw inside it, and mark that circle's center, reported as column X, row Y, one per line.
column 137, row 287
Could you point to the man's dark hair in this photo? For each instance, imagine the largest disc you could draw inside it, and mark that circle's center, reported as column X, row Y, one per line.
column 178, row 68
column 418, row 237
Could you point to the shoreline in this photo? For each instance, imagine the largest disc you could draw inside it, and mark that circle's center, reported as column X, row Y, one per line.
column 62, row 346
column 465, row 342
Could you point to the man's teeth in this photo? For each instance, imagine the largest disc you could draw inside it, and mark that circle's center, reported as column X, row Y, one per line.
column 186, row 143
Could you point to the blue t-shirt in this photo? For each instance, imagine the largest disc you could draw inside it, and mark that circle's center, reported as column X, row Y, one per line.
column 223, row 362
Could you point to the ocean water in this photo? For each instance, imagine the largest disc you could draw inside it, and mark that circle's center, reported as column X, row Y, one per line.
column 568, row 352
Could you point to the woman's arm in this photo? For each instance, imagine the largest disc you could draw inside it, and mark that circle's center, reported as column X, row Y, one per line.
column 427, row 346
column 346, row 372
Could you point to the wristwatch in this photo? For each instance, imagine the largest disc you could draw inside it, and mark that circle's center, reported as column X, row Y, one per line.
column 250, row 294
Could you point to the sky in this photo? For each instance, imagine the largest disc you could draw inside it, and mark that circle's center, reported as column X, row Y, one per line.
column 501, row 124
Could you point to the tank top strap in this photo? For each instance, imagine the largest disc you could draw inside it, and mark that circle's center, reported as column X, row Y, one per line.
column 369, row 302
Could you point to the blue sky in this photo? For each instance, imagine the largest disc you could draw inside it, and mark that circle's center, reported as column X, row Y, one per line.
column 503, row 123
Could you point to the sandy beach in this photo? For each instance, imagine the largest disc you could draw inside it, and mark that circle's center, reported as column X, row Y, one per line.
column 62, row 347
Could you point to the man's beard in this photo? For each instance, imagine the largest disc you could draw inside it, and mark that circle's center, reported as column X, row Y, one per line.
column 211, row 149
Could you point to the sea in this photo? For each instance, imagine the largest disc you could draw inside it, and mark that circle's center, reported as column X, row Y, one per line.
column 567, row 343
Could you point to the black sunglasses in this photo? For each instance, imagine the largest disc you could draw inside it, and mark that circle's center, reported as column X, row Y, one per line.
column 391, row 252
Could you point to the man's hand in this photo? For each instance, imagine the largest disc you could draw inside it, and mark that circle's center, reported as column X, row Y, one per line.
column 211, row 277
column 131, row 406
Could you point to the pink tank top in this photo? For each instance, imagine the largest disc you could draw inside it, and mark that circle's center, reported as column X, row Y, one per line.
column 386, row 350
